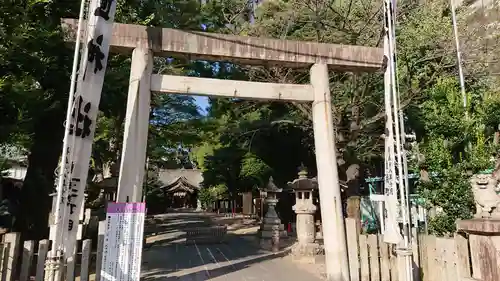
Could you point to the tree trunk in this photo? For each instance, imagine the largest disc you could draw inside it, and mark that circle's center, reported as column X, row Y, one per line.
column 35, row 203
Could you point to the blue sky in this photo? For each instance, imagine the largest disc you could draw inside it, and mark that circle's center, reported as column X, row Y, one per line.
column 202, row 103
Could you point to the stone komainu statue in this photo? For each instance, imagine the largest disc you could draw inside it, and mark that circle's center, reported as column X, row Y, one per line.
column 484, row 188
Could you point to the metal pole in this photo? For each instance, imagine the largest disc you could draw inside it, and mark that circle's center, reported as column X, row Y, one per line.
column 459, row 57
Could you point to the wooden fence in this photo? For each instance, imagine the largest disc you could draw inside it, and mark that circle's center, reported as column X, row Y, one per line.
column 26, row 261
column 434, row 258
column 31, row 264
column 370, row 259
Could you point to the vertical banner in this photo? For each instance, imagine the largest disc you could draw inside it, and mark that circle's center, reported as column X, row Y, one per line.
column 82, row 123
column 391, row 229
column 122, row 253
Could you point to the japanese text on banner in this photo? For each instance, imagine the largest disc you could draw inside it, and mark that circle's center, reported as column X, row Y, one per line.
column 82, row 122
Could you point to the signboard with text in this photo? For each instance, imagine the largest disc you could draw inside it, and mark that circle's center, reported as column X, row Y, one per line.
column 122, row 252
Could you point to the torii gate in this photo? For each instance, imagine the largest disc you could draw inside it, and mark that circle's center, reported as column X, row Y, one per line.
column 144, row 42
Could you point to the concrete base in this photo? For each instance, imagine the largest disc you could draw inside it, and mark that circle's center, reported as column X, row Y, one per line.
column 270, row 233
column 485, row 226
column 308, row 253
column 270, row 226
column 266, row 244
column 484, row 241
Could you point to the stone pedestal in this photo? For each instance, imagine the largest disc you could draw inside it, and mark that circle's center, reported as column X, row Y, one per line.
column 484, row 241
column 271, row 228
column 306, row 249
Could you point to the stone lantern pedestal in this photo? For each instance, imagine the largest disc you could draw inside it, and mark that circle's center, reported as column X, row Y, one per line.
column 305, row 249
column 271, row 228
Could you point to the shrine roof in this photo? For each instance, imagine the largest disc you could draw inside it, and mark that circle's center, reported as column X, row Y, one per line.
column 238, row 49
column 180, row 179
column 110, row 183
column 179, row 186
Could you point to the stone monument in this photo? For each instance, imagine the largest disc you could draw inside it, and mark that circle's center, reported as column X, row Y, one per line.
column 305, row 249
column 271, row 228
column 483, row 230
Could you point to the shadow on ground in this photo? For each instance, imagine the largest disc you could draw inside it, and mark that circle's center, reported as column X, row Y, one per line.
column 206, row 274
column 168, row 258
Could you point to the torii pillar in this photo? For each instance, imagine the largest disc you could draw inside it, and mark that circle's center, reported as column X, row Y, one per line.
column 144, row 41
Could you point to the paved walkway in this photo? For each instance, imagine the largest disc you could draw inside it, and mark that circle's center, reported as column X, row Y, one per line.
column 170, row 259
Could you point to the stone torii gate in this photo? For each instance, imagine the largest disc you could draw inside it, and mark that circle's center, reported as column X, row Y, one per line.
column 144, row 42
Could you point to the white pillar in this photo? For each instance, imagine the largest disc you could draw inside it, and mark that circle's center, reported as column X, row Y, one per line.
column 337, row 265
column 133, row 161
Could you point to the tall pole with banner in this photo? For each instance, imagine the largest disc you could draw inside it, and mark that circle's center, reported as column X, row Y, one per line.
column 391, row 230
column 396, row 174
column 80, row 127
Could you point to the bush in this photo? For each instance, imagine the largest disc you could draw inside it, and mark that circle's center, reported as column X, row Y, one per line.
column 455, row 147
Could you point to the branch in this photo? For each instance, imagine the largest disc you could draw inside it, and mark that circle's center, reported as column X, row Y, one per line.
column 304, row 109
column 381, row 114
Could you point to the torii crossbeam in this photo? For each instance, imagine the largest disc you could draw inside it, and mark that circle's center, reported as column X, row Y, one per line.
column 238, row 49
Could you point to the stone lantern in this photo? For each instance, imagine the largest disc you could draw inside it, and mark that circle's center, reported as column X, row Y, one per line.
column 271, row 227
column 306, row 249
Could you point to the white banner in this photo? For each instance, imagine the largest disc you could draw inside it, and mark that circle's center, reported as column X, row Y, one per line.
column 82, row 123
column 392, row 234
column 122, row 252
column 391, row 228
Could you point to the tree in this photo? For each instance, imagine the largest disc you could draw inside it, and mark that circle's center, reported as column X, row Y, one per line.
column 424, row 53
column 34, row 61
column 256, row 138
column 254, row 171
column 453, row 148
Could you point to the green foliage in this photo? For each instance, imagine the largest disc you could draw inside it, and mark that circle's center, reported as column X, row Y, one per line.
column 200, row 152
column 455, row 147
column 223, row 167
column 209, row 195
column 35, row 66
column 449, row 190
column 155, row 199
column 254, row 171
column 206, row 197
column 242, row 142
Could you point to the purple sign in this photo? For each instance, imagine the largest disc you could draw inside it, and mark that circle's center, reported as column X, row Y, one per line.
column 123, row 242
